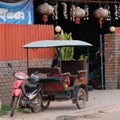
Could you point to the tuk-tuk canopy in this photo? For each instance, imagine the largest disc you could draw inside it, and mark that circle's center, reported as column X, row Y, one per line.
column 55, row 43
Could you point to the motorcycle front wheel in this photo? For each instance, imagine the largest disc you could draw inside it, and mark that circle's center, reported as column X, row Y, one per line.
column 14, row 105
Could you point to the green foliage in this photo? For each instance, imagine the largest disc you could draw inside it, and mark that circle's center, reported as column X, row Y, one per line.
column 118, row 82
column 22, row 110
column 83, row 57
column 67, row 52
column 4, row 110
column 66, row 35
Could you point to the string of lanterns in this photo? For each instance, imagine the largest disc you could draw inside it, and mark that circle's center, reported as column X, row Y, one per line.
column 76, row 13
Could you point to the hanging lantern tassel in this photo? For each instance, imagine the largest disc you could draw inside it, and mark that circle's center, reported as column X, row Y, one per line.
column 100, row 21
column 45, row 18
column 77, row 21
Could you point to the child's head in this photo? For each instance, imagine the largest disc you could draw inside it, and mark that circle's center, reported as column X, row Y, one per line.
column 55, row 63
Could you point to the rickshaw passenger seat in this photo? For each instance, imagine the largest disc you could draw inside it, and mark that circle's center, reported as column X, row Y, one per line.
column 53, row 82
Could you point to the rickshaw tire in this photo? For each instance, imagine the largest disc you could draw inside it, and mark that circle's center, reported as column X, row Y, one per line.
column 81, row 93
column 47, row 104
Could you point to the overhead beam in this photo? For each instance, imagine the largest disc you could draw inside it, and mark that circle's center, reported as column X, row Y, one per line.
column 90, row 1
column 11, row 1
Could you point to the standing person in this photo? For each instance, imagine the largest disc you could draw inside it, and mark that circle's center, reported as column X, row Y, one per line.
column 98, row 58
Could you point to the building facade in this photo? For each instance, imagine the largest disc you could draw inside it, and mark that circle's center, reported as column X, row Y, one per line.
column 87, row 30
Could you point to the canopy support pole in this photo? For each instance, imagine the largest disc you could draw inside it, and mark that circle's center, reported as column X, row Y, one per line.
column 61, row 62
column 27, row 59
column 101, row 56
column 88, row 62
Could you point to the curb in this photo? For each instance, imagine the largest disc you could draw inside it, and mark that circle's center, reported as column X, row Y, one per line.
column 89, row 113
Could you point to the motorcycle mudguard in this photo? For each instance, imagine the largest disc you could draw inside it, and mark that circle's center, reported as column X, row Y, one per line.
column 17, row 92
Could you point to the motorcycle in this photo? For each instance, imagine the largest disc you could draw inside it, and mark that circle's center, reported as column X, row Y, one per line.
column 28, row 95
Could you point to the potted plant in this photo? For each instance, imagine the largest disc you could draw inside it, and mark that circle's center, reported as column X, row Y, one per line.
column 67, row 52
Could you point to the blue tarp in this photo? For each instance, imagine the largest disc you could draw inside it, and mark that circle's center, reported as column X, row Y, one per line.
column 18, row 13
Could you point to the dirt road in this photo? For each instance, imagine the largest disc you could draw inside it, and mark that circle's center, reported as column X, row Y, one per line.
column 101, row 103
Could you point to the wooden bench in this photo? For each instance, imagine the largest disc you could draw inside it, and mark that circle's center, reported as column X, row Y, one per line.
column 77, row 70
column 48, row 71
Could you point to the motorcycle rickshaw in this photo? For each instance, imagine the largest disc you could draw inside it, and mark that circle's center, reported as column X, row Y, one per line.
column 53, row 87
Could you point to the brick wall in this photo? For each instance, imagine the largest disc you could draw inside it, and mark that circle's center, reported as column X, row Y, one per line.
column 112, row 60
column 6, row 81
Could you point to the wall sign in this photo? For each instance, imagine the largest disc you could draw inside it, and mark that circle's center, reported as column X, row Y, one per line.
column 18, row 13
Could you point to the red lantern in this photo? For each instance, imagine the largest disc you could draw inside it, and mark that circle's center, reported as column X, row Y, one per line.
column 79, row 13
column 46, row 10
column 101, row 13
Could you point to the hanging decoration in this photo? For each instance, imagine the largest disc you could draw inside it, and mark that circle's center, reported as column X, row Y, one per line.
column 72, row 13
column 79, row 13
column 86, row 9
column 58, row 29
column 119, row 11
column 112, row 29
column 76, row 13
column 116, row 12
column 108, row 18
column 101, row 13
column 46, row 10
column 65, row 10
column 55, row 12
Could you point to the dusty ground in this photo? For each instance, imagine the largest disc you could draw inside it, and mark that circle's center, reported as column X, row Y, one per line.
column 102, row 103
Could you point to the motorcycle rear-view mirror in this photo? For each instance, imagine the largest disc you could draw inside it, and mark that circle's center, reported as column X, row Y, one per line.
column 10, row 65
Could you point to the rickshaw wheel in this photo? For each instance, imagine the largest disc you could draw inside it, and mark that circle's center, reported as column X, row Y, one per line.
column 45, row 103
column 81, row 98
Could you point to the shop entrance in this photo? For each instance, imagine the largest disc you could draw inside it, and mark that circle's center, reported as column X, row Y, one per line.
column 87, row 30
